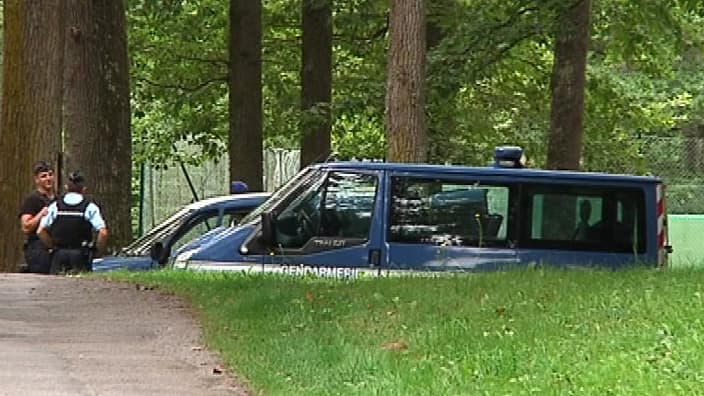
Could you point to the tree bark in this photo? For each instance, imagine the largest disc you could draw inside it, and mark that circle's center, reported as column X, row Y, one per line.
column 245, row 142
column 97, row 109
column 405, row 98
column 567, row 83
column 316, row 81
column 31, row 108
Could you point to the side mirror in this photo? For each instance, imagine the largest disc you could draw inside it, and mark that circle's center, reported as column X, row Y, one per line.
column 268, row 229
column 157, row 251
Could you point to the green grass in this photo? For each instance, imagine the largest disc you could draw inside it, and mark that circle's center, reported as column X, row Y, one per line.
column 546, row 332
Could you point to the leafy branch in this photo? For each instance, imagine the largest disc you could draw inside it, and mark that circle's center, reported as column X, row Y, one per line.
column 193, row 88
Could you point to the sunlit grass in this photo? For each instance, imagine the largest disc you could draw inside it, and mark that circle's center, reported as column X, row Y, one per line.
column 546, row 332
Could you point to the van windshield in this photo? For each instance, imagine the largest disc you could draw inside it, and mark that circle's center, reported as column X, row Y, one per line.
column 338, row 206
column 295, row 183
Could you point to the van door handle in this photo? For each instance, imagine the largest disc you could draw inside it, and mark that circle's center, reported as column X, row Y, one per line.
column 374, row 257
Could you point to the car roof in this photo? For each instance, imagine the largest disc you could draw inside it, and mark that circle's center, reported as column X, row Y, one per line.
column 226, row 200
column 509, row 173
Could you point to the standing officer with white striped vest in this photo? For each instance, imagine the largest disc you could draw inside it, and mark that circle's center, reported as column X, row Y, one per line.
column 68, row 227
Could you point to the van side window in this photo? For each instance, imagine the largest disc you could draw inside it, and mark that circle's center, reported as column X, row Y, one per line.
column 550, row 222
column 570, row 218
column 340, row 208
column 448, row 212
column 348, row 206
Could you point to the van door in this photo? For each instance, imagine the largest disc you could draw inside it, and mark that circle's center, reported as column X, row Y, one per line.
column 439, row 222
column 328, row 224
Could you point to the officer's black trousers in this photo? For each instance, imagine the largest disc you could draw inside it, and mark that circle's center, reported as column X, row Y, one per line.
column 70, row 260
column 37, row 257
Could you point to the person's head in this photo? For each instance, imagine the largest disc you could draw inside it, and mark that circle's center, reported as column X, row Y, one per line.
column 238, row 187
column 585, row 210
column 43, row 176
column 76, row 183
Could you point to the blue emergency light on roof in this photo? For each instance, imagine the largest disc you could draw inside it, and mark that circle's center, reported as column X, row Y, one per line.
column 509, row 157
column 238, row 187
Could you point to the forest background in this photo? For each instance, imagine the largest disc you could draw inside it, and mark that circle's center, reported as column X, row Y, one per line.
column 107, row 86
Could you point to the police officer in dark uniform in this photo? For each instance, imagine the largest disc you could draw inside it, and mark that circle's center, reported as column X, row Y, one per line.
column 71, row 221
column 35, row 207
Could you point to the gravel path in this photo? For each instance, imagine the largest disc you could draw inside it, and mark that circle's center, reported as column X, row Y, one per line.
column 77, row 336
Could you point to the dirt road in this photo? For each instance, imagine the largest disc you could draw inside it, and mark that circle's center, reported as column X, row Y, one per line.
column 77, row 336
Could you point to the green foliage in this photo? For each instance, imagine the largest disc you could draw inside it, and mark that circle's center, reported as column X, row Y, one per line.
column 489, row 79
column 359, row 78
column 534, row 331
column 179, row 78
column 282, row 80
column 489, row 66
column 181, row 97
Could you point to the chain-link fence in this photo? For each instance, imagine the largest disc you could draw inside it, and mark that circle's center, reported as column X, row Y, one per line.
column 679, row 161
column 166, row 190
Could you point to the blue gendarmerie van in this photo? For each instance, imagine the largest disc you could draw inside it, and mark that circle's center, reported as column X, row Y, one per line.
column 347, row 218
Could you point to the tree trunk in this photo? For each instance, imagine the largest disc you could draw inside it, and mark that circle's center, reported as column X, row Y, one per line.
column 567, row 82
column 31, row 108
column 405, row 97
column 316, row 81
column 97, row 110
column 245, row 143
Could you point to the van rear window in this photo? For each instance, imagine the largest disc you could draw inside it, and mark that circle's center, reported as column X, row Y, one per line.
column 583, row 218
column 448, row 212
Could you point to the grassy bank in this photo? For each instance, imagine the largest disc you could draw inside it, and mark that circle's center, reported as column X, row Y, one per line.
column 546, row 332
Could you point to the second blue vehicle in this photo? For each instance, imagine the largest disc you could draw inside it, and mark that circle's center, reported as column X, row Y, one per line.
column 211, row 215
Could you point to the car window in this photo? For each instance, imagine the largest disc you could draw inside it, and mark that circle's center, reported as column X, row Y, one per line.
column 142, row 245
column 195, row 229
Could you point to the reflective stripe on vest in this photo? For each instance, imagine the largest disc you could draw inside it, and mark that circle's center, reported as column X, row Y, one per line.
column 65, row 213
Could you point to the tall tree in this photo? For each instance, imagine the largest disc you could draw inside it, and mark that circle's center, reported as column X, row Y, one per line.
column 245, row 142
column 316, row 80
column 567, row 84
column 405, row 97
column 97, row 108
column 31, row 108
